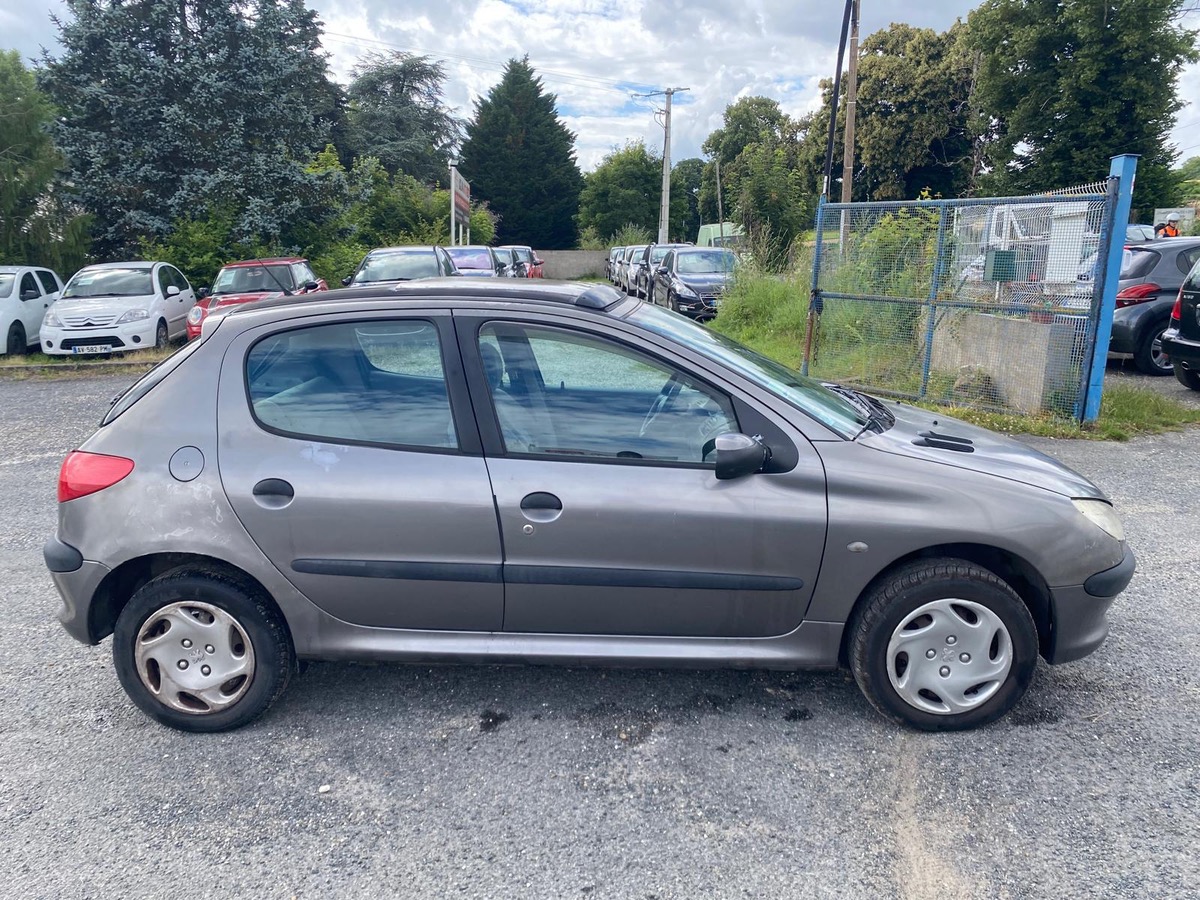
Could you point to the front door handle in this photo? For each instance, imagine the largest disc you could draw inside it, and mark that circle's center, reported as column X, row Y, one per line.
column 273, row 493
column 541, row 507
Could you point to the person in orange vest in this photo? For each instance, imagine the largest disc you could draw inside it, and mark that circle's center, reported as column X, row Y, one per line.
column 1170, row 229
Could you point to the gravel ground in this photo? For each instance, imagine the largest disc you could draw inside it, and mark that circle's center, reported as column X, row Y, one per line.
column 545, row 782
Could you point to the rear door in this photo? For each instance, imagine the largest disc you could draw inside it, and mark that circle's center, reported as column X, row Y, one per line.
column 613, row 520
column 349, row 453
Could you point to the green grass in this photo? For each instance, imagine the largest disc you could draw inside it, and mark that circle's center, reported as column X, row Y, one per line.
column 868, row 346
column 41, row 366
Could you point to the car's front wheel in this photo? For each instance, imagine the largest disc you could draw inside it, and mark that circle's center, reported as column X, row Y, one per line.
column 202, row 651
column 1149, row 356
column 1187, row 378
column 161, row 335
column 942, row 645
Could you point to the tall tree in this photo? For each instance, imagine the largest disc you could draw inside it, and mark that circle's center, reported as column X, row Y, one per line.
column 686, row 176
column 36, row 224
column 624, row 189
column 520, row 158
column 1065, row 84
column 168, row 109
column 397, row 115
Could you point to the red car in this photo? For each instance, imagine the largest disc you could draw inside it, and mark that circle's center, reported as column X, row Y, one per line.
column 253, row 279
column 533, row 262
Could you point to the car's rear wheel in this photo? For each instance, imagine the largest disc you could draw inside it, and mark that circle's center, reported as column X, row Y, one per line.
column 15, row 345
column 942, row 645
column 1187, row 378
column 1149, row 357
column 161, row 336
column 201, row 651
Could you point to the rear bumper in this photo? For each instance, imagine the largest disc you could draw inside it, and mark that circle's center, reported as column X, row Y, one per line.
column 1080, row 611
column 1181, row 350
column 76, row 580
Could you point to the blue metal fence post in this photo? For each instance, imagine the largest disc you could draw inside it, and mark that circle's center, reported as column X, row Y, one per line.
column 935, row 286
column 1123, row 168
column 814, row 298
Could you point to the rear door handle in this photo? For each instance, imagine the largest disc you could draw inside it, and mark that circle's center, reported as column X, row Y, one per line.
column 273, row 493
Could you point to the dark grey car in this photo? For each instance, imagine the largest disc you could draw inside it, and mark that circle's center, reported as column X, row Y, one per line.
column 1151, row 275
column 516, row 471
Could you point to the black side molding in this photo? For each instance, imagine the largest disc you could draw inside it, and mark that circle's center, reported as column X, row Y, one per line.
column 409, row 571
column 648, row 578
column 61, row 557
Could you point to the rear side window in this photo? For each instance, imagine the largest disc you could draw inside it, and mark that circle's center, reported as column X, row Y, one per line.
column 47, row 280
column 1186, row 259
column 378, row 382
column 1137, row 263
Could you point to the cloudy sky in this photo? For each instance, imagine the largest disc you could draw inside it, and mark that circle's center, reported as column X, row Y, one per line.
column 596, row 54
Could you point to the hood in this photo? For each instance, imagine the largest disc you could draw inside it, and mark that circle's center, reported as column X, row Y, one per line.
column 220, row 300
column 932, row 436
column 82, row 306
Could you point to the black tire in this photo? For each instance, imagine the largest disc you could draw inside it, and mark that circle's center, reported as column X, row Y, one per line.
column 1144, row 355
column 257, row 616
column 910, row 587
column 1186, row 378
column 161, row 336
column 16, row 345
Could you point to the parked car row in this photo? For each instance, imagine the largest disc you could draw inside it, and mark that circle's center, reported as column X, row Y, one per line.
column 681, row 277
column 119, row 306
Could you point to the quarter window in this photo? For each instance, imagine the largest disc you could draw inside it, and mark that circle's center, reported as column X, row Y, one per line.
column 562, row 393
column 378, row 382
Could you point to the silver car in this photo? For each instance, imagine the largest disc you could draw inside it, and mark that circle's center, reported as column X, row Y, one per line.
column 551, row 472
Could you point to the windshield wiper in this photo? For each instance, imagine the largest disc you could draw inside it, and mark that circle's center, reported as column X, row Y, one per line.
column 878, row 418
column 275, row 279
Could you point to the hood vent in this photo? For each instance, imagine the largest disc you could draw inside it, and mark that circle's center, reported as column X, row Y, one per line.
column 944, row 442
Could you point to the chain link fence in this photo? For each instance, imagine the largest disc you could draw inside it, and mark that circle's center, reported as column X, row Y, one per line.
column 993, row 303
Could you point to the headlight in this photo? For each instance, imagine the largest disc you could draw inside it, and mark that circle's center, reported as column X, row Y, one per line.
column 133, row 315
column 52, row 320
column 684, row 291
column 1102, row 516
column 195, row 315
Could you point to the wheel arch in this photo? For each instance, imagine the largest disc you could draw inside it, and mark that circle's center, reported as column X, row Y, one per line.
column 119, row 585
column 1011, row 568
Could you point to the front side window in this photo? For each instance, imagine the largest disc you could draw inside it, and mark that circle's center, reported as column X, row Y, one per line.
column 565, row 394
column 28, row 283
column 378, row 382
column 49, row 285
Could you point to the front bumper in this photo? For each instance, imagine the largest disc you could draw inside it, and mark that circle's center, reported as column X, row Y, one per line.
column 76, row 580
column 131, row 336
column 1080, row 623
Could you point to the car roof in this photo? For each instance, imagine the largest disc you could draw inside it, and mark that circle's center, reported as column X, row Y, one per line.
column 131, row 264
column 9, row 269
column 514, row 247
column 469, row 247
column 599, row 297
column 274, row 260
column 1180, row 243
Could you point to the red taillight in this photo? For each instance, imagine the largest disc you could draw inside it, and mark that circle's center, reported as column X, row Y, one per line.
column 1177, row 309
column 85, row 473
column 1138, row 293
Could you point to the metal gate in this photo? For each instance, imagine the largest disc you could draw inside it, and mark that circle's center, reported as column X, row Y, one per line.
column 1000, row 303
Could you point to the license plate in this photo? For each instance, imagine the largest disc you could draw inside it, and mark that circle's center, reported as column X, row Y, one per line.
column 92, row 348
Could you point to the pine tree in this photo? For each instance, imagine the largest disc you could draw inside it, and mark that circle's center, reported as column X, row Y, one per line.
column 171, row 110
column 520, row 158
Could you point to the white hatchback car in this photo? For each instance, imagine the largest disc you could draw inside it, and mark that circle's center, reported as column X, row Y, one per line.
column 114, row 307
column 26, row 292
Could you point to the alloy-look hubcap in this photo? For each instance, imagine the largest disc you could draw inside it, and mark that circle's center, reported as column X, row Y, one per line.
column 194, row 657
column 949, row 656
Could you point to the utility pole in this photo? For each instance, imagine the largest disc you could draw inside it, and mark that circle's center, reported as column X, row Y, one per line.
column 664, row 209
column 720, row 205
column 848, row 141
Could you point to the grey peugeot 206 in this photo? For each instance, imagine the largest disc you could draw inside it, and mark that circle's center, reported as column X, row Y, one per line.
column 540, row 472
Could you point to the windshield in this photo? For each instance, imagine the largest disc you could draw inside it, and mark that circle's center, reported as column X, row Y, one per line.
column 402, row 266
column 705, row 262
column 7, row 280
column 471, row 259
column 807, row 395
column 252, row 279
column 109, row 283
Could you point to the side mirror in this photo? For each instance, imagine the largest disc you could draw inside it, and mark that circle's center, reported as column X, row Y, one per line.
column 29, row 295
column 172, row 291
column 739, row 454
column 311, row 286
column 346, row 281
column 661, row 270
column 202, row 293
column 539, row 262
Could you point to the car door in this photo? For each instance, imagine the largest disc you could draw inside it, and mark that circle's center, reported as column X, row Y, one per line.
column 32, row 305
column 180, row 305
column 349, row 453
column 613, row 520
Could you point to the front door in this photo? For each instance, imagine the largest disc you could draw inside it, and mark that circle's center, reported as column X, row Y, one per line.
column 350, row 456
column 612, row 516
